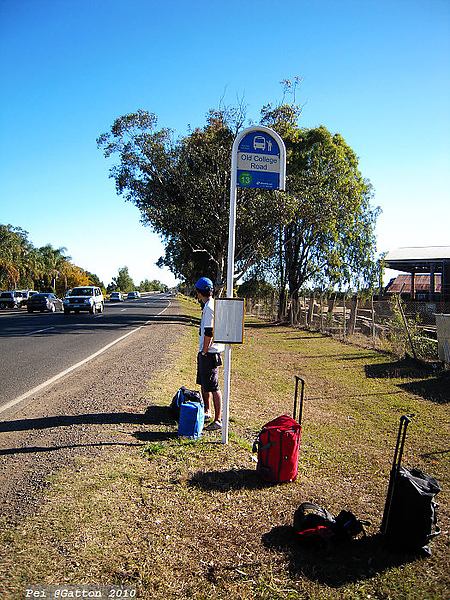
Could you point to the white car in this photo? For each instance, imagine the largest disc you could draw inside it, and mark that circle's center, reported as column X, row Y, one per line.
column 88, row 298
column 11, row 299
column 116, row 297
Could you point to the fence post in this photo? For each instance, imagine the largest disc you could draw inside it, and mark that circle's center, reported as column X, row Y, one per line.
column 311, row 311
column 321, row 313
column 374, row 342
column 353, row 313
column 331, row 307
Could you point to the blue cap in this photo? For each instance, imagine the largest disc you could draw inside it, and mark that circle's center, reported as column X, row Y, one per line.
column 204, row 284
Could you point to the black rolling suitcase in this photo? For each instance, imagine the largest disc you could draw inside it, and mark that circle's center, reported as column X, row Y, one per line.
column 410, row 512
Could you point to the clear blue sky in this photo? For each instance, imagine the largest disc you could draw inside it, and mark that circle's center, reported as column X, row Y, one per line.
column 377, row 72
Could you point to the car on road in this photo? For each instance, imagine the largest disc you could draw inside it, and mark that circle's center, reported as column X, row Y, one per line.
column 45, row 302
column 116, row 297
column 11, row 299
column 88, row 298
column 24, row 295
column 133, row 295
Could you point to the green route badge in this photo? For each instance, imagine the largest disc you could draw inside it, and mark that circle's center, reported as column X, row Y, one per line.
column 245, row 178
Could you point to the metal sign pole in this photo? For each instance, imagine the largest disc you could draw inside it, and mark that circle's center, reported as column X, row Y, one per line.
column 263, row 165
column 230, row 273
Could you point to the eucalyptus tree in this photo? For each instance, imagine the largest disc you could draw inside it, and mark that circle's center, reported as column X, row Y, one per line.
column 329, row 239
column 320, row 232
column 123, row 281
column 182, row 190
column 11, row 244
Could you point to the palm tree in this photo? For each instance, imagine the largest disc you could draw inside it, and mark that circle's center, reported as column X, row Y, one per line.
column 13, row 245
column 54, row 263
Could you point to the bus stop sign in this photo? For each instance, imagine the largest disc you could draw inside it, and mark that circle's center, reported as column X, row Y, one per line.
column 261, row 160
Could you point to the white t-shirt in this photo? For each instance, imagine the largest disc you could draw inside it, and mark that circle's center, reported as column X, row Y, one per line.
column 208, row 321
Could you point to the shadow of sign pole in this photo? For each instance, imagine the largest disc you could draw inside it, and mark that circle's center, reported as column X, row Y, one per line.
column 258, row 160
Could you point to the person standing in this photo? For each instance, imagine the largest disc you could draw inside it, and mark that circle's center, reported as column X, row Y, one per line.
column 209, row 356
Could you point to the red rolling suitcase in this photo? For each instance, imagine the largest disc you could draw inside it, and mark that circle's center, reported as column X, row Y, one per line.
column 278, row 444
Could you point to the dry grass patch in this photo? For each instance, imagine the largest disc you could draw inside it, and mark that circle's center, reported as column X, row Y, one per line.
column 182, row 519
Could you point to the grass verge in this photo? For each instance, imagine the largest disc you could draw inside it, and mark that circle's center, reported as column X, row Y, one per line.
column 183, row 519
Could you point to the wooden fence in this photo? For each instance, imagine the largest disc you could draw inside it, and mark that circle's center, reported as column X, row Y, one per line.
column 376, row 323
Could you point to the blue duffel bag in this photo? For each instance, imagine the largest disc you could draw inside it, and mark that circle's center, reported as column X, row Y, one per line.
column 192, row 419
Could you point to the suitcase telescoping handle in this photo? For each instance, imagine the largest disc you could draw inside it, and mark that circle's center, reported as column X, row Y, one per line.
column 300, row 409
column 396, row 464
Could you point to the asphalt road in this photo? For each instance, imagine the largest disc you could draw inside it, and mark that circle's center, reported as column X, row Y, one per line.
column 37, row 347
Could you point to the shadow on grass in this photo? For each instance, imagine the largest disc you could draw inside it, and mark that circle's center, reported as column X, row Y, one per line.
column 67, row 420
column 155, row 436
column 158, row 415
column 33, row 449
column 431, row 385
column 264, row 325
column 183, row 319
column 342, row 564
column 435, row 389
column 398, row 369
column 154, row 415
column 223, row 481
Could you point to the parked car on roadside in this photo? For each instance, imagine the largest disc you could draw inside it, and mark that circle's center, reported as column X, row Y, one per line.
column 11, row 299
column 116, row 297
column 44, row 302
column 88, row 298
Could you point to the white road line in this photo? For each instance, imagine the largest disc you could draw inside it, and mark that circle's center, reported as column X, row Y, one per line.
column 52, row 380
column 39, row 331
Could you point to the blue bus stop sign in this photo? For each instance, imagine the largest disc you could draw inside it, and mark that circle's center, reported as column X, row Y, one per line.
column 261, row 160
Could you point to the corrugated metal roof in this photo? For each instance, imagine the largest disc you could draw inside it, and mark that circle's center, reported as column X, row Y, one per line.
column 419, row 253
column 421, row 284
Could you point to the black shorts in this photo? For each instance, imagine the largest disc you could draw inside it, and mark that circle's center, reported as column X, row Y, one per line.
column 208, row 371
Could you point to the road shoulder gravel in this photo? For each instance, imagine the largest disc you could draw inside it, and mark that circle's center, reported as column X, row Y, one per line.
column 95, row 409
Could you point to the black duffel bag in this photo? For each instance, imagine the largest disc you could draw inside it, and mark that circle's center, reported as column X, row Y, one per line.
column 412, row 520
column 183, row 395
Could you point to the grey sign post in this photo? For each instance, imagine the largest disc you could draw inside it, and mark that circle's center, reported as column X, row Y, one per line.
column 258, row 160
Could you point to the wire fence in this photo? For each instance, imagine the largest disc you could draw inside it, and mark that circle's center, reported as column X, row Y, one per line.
column 402, row 328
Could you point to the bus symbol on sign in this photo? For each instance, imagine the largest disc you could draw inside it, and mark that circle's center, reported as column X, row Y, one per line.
column 259, row 143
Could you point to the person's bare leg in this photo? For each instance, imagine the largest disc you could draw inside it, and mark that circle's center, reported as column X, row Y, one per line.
column 207, row 401
column 217, row 399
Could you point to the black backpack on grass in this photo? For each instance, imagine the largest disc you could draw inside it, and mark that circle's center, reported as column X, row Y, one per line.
column 183, row 395
column 316, row 524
